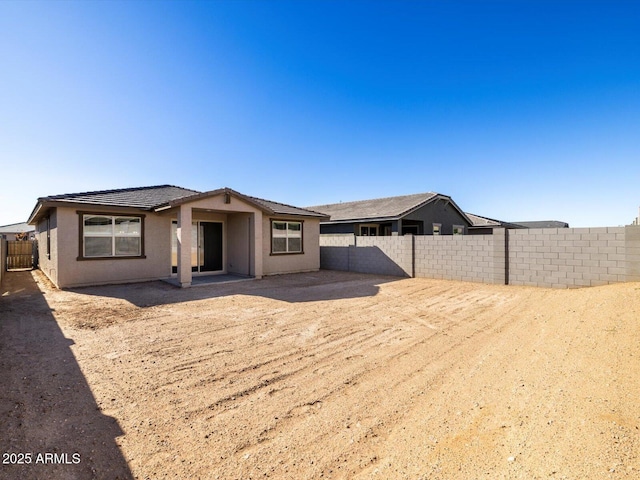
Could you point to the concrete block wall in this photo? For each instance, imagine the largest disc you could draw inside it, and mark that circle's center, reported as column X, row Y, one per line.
column 632, row 253
column 554, row 257
column 379, row 255
column 383, row 255
column 468, row 258
column 334, row 251
column 567, row 257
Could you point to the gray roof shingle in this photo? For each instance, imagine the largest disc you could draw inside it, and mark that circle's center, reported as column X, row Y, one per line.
column 16, row 228
column 389, row 207
column 479, row 221
column 284, row 209
column 162, row 196
column 543, row 224
column 139, row 197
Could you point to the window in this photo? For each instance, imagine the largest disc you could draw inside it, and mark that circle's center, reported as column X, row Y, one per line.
column 410, row 229
column 286, row 237
column 458, row 230
column 111, row 236
column 436, row 228
column 368, row 230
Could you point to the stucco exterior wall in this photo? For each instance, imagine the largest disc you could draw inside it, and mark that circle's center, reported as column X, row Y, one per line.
column 216, row 203
column 48, row 260
column 309, row 261
column 239, row 245
column 73, row 272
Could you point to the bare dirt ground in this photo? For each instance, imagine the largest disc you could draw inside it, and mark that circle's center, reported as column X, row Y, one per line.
column 324, row 375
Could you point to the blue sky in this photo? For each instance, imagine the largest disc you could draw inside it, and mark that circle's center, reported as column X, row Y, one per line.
column 517, row 110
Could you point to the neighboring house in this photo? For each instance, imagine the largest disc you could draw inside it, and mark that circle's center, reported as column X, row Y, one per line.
column 485, row 225
column 543, row 224
column 149, row 233
column 420, row 214
column 17, row 231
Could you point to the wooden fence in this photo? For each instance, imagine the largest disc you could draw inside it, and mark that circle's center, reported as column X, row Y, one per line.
column 20, row 254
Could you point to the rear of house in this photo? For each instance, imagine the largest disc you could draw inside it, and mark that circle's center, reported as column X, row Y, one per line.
column 159, row 232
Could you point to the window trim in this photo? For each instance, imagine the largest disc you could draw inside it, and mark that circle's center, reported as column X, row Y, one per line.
column 82, row 257
column 437, row 226
column 453, row 230
column 287, row 221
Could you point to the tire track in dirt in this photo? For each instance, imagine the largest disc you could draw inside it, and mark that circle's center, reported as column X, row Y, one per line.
column 333, row 375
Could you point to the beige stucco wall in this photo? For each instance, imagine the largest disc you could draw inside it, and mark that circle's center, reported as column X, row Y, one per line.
column 238, row 235
column 73, row 272
column 48, row 261
column 309, row 261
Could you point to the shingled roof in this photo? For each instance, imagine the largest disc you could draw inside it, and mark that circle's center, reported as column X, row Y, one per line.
column 387, row 208
column 284, row 209
column 16, row 228
column 479, row 222
column 543, row 224
column 159, row 197
column 140, row 197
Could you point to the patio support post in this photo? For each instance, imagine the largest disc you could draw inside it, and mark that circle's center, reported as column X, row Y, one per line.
column 257, row 245
column 184, row 246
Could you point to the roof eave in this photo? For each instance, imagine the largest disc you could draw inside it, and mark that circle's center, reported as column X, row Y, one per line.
column 35, row 213
column 44, row 204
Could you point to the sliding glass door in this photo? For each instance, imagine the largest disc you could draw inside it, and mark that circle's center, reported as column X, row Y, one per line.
column 206, row 247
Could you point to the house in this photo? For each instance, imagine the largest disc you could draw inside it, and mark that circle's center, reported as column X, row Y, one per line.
column 17, row 231
column 484, row 225
column 420, row 214
column 543, row 224
column 164, row 231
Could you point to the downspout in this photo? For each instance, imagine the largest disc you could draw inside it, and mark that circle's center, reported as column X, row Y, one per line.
column 249, row 246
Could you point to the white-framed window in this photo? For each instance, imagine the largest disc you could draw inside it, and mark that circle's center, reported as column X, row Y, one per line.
column 436, row 228
column 286, row 237
column 458, row 229
column 105, row 236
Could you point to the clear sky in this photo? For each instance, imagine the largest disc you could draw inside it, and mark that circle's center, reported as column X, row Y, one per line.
column 517, row 110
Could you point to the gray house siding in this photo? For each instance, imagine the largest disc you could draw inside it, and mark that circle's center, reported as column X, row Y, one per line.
column 418, row 222
column 435, row 212
column 337, row 228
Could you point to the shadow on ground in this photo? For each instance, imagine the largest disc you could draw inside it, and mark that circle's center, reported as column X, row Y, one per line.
column 46, row 404
column 291, row 288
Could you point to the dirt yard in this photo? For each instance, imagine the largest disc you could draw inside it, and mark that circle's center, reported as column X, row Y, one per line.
column 325, row 375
